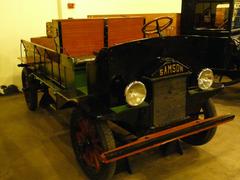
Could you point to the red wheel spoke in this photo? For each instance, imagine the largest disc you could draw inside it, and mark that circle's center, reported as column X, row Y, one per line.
column 98, row 149
column 90, row 128
column 96, row 141
column 96, row 162
column 92, row 159
column 80, row 137
column 83, row 128
column 90, row 143
column 88, row 159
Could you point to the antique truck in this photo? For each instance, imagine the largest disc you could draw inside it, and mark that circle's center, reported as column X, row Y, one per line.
column 128, row 95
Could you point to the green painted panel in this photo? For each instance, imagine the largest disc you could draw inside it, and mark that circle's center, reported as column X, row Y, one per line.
column 123, row 108
column 83, row 89
column 81, row 78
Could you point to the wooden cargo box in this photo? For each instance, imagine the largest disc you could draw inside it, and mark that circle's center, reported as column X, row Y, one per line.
column 173, row 30
column 85, row 37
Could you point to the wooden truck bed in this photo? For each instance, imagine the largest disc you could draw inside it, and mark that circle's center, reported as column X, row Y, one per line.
column 84, row 37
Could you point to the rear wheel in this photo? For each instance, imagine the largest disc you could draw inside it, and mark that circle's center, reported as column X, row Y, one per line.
column 29, row 89
column 90, row 138
column 208, row 110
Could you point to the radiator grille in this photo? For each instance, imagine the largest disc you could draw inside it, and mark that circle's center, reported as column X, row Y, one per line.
column 169, row 100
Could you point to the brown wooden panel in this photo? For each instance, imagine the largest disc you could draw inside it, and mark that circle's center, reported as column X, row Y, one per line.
column 36, row 53
column 81, row 37
column 122, row 30
column 44, row 41
column 173, row 30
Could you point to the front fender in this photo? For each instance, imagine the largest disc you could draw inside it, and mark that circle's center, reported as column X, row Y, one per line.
column 94, row 108
column 197, row 97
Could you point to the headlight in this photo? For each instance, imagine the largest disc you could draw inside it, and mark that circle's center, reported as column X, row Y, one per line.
column 205, row 79
column 135, row 93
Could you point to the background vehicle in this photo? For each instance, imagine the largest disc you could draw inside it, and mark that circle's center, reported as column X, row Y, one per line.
column 132, row 92
column 209, row 37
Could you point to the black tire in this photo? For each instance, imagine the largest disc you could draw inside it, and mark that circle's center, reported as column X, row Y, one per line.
column 101, row 133
column 29, row 89
column 205, row 136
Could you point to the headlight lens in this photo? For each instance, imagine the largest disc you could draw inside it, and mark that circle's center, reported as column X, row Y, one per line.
column 205, row 79
column 135, row 93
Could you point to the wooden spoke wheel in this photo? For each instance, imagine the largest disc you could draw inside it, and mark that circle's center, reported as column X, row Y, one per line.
column 29, row 89
column 90, row 138
column 208, row 110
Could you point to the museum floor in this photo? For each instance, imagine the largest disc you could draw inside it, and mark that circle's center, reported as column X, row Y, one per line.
column 37, row 146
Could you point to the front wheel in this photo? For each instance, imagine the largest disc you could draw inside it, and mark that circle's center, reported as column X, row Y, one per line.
column 207, row 111
column 90, row 138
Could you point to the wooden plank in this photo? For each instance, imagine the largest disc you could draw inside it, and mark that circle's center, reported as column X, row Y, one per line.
column 121, row 30
column 37, row 53
column 82, row 37
column 31, row 55
column 44, row 41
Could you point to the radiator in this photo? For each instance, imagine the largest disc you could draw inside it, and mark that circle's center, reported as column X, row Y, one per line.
column 169, row 100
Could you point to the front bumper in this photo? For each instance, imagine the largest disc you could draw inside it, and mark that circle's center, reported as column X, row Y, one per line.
column 162, row 137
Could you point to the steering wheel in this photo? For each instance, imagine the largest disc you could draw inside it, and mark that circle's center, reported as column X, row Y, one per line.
column 158, row 29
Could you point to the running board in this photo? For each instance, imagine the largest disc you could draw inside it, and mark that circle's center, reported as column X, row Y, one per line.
column 162, row 137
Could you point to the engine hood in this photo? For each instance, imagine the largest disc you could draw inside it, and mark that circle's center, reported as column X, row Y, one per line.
column 120, row 65
column 131, row 61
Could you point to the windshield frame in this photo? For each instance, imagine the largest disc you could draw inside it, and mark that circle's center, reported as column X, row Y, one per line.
column 206, row 20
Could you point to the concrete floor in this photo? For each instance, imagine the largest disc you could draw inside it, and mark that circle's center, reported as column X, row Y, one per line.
column 36, row 145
